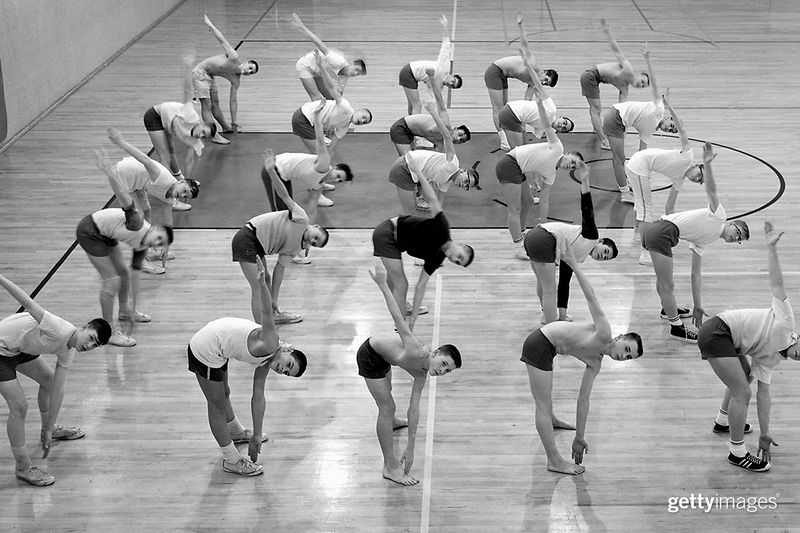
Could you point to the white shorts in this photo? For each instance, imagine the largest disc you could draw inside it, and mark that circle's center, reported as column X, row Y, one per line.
column 304, row 72
column 642, row 197
column 203, row 85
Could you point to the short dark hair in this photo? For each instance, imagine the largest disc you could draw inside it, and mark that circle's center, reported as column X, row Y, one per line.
column 344, row 167
column 744, row 229
column 571, row 126
column 611, row 244
column 102, row 328
column 470, row 254
column 636, row 337
column 326, row 236
column 194, row 186
column 471, row 172
column 467, row 133
column 369, row 113
column 170, row 234
column 213, row 127
column 452, row 352
column 253, row 62
column 646, row 75
column 578, row 155
column 302, row 361
column 360, row 63
column 457, row 81
column 553, row 76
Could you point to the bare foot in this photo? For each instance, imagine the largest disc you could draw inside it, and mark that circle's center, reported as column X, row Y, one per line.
column 565, row 467
column 560, row 424
column 399, row 423
column 399, row 477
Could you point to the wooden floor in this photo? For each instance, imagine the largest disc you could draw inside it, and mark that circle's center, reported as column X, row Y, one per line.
column 149, row 461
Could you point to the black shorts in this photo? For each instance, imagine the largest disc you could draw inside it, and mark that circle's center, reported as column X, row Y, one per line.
column 538, row 351
column 714, row 339
column 8, row 365
column 302, row 127
column 245, row 246
column 507, row 170
column 661, row 237
column 384, row 241
column 152, row 120
column 612, row 123
column 590, row 83
column 407, row 78
column 540, row 245
column 203, row 370
column 91, row 240
column 370, row 364
column 401, row 176
column 509, row 120
column 494, row 78
column 399, row 133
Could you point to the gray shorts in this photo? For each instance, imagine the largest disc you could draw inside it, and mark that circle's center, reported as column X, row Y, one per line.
column 301, row 126
column 612, row 123
column 661, row 237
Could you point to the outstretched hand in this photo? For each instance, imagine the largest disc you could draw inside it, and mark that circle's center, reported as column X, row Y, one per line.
column 407, row 459
column 297, row 21
column 519, row 18
column 579, row 449
column 604, row 25
column 254, row 447
column 207, row 20
column 771, row 235
column 378, row 272
column 269, row 158
column 101, row 157
column 115, row 136
column 697, row 316
column 708, row 153
column 46, row 439
column 443, row 21
column 646, row 51
column 764, row 442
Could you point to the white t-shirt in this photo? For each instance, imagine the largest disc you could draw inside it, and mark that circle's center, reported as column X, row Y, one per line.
column 223, row 339
column 111, row 223
column 433, row 166
column 278, row 233
column 20, row 333
column 569, row 235
column 136, row 178
column 540, row 158
column 642, row 116
column 699, row 226
column 527, row 111
column 333, row 61
column 335, row 117
column 441, row 67
column 761, row 334
column 178, row 119
column 300, row 169
column 671, row 164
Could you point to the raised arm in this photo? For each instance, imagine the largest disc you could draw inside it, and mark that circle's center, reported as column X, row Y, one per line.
column 298, row 23
column 549, row 132
column 35, row 310
column 436, row 88
column 407, row 459
column 588, row 224
column 323, row 162
column 709, row 183
column 443, row 59
column 772, row 236
column 526, row 49
column 269, row 334
column 104, row 164
column 378, row 275
column 678, row 124
column 229, row 51
column 601, row 325
column 653, row 85
column 153, row 168
column 626, row 66
column 330, row 85
column 449, row 149
column 579, row 446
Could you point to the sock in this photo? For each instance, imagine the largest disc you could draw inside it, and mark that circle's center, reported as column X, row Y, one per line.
column 235, row 427
column 738, row 449
column 503, row 138
column 518, row 242
column 230, row 453
column 722, row 417
column 675, row 321
column 21, row 456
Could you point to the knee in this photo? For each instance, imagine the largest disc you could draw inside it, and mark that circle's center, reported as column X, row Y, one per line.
column 18, row 407
column 110, row 287
column 742, row 393
column 386, row 409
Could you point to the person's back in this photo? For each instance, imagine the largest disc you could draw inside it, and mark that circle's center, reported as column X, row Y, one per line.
column 423, row 125
column 220, row 65
column 514, row 67
column 612, row 73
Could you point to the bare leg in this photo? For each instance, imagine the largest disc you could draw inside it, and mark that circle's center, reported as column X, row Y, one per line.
column 310, row 85
column 216, row 111
column 665, row 285
column 511, row 196
column 397, row 281
column 546, row 276
column 250, row 271
column 730, row 371
column 595, row 109
column 218, row 405
column 617, row 145
column 408, row 200
column 414, row 104
column 525, row 205
column 499, row 98
column 15, row 426
column 165, row 153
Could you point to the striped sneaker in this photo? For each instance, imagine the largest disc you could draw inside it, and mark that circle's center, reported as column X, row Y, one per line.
column 719, row 428
column 682, row 334
column 749, row 462
column 243, row 467
column 35, row 476
column 67, row 433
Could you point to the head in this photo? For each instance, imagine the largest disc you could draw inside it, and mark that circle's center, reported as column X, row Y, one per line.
column 695, row 173
column 289, row 362
column 361, row 116
column 204, row 131
column 460, row 254
column 460, row 135
column 549, row 78
column 184, row 189
column 570, row 160
column 604, row 250
column 315, row 236
column 467, row 178
column 444, row 360
column 249, row 67
column 736, row 231
column 641, row 80
column 358, row 68
column 340, row 172
column 453, row 81
column 563, row 125
column 91, row 335
column 626, row 346
column 668, row 124
column 158, row 236
column 793, row 350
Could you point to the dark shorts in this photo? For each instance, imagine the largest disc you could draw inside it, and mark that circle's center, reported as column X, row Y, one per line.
column 407, row 78
column 203, row 370
column 152, row 120
column 661, row 237
column 612, row 123
column 245, row 246
column 399, row 133
column 494, row 78
column 275, row 201
column 714, row 340
column 370, row 364
column 401, row 176
column 590, row 83
column 8, row 365
column 508, row 119
column 540, row 245
column 91, row 240
column 384, row 241
column 507, row 170
column 538, row 351
column 302, row 127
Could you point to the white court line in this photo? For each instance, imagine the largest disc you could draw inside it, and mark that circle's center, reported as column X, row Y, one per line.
column 431, row 420
column 647, row 273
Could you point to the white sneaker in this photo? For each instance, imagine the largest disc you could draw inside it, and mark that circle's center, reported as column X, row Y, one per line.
column 626, row 197
column 148, row 267
column 519, row 252
column 327, row 141
column 219, row 139
column 301, row 259
column 422, row 142
column 243, row 467
column 137, row 317
column 324, row 201
column 423, row 309
column 422, row 204
column 120, row 339
column 328, row 187
column 645, row 259
column 35, row 476
column 155, row 255
column 180, row 206
column 604, row 145
column 284, row 317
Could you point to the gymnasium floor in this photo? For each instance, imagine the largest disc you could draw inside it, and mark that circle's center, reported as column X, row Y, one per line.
column 149, row 460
